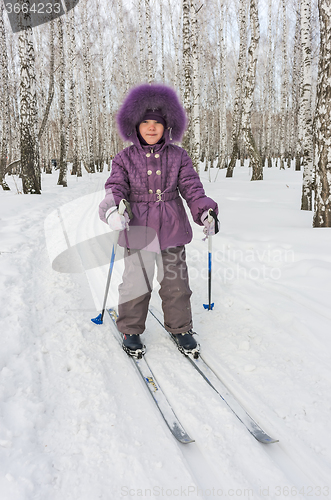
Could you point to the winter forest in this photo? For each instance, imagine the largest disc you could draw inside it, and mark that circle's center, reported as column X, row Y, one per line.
column 253, row 76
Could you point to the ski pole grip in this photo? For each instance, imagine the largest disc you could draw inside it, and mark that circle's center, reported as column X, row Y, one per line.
column 121, row 207
column 127, row 208
column 212, row 216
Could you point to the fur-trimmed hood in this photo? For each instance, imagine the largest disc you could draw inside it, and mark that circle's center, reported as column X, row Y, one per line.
column 151, row 96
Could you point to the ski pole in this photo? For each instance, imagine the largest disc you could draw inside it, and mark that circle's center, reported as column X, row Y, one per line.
column 210, row 304
column 212, row 217
column 99, row 319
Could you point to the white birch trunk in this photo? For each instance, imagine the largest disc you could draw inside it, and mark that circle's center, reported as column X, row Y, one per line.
column 307, row 143
column 195, row 150
column 51, row 83
column 269, row 89
column 95, row 122
column 76, row 166
column 71, row 85
column 322, row 123
column 253, row 153
column 63, row 163
column 14, row 77
column 162, row 43
column 284, row 91
column 297, row 91
column 142, row 60
column 124, row 55
column 150, row 69
column 48, row 146
column 111, row 147
column 88, row 78
column 175, row 80
column 104, row 102
column 178, row 72
column 222, row 90
column 4, row 102
column 204, row 132
column 237, row 111
column 28, row 115
column 187, row 64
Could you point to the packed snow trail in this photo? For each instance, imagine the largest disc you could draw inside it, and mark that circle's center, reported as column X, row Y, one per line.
column 294, row 476
column 74, row 420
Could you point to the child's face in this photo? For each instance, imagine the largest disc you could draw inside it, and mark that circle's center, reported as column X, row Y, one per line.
column 151, row 131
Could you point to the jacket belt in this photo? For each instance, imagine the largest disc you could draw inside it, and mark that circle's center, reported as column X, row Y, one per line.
column 156, row 197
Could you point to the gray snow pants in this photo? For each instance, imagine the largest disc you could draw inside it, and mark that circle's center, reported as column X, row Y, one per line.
column 135, row 290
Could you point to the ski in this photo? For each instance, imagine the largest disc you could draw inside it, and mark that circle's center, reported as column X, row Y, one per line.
column 224, row 393
column 154, row 389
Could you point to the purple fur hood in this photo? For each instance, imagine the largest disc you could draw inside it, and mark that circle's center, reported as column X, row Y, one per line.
column 155, row 178
column 153, row 96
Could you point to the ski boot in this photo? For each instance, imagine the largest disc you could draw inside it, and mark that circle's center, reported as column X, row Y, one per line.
column 133, row 346
column 187, row 344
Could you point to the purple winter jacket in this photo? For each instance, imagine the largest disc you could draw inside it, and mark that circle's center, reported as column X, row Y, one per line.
column 155, row 178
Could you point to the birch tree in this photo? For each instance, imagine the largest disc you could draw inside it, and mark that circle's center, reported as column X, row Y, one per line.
column 4, row 102
column 187, row 66
column 237, row 110
column 111, row 125
column 222, row 89
column 142, row 62
column 75, row 102
column 204, row 128
column 88, row 77
column 124, row 51
column 14, row 90
column 162, row 43
column 29, row 152
column 175, row 76
column 284, row 90
column 322, row 122
column 297, row 91
column 195, row 149
column 71, row 85
column 269, row 101
column 103, row 127
column 255, row 159
column 150, row 71
column 306, row 100
column 62, row 161
column 51, row 83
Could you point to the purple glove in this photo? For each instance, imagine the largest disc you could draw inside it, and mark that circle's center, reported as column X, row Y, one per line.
column 211, row 222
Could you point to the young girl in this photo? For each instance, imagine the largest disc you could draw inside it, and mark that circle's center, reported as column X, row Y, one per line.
column 154, row 175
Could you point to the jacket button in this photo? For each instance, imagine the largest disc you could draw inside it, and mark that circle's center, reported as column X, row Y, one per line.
column 157, row 155
column 158, row 191
column 150, row 191
column 148, row 155
column 149, row 172
column 158, row 172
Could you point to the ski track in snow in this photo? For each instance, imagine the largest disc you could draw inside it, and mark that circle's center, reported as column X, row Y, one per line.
column 77, row 423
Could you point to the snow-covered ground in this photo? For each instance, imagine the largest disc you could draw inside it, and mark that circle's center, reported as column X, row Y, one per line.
column 76, row 423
